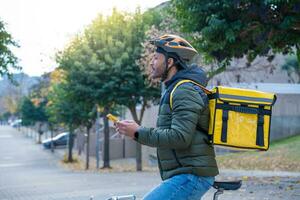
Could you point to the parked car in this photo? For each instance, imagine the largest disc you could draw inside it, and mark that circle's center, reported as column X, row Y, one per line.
column 17, row 123
column 59, row 140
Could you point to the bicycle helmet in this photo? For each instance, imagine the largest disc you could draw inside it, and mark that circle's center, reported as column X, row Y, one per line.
column 174, row 45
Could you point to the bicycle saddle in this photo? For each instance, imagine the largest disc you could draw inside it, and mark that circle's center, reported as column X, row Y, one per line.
column 227, row 185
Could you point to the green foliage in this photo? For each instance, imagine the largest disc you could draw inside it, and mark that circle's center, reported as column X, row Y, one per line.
column 101, row 64
column 27, row 112
column 31, row 113
column 62, row 108
column 40, row 111
column 5, row 116
column 236, row 28
column 7, row 58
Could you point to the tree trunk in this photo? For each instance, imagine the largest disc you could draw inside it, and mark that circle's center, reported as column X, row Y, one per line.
column 97, row 125
column 87, row 149
column 51, row 132
column 106, row 140
column 40, row 133
column 139, row 166
column 39, row 138
column 70, row 145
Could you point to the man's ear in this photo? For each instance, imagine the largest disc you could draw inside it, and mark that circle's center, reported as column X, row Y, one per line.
column 170, row 62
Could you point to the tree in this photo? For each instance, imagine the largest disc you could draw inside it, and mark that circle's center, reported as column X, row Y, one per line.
column 62, row 108
column 116, row 45
column 86, row 110
column 41, row 117
column 5, row 116
column 101, row 67
column 72, row 63
column 7, row 58
column 38, row 95
column 27, row 112
column 231, row 29
column 33, row 111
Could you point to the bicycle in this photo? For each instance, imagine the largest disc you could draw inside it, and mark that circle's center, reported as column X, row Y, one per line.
column 220, row 186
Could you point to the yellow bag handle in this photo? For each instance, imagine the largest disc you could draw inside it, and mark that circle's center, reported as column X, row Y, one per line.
column 187, row 81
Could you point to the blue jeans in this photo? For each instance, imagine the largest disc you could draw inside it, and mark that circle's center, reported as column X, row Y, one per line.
column 181, row 187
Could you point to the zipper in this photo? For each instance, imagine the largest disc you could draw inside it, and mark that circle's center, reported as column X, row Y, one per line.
column 159, row 164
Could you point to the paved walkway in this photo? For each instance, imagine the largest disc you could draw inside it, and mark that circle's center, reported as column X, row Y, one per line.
column 28, row 172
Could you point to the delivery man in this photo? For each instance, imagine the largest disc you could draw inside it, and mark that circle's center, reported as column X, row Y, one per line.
column 186, row 160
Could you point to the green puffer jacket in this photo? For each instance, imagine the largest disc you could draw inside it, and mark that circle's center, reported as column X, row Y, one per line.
column 180, row 135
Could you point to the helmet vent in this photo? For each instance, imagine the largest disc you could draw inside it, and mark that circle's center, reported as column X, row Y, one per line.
column 173, row 43
column 169, row 39
column 183, row 44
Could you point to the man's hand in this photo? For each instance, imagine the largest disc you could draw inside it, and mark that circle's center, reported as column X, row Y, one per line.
column 127, row 127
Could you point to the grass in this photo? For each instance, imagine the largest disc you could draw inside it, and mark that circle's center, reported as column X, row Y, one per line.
column 65, row 159
column 283, row 155
column 118, row 165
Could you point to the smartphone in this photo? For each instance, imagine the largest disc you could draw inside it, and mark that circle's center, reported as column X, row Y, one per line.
column 112, row 118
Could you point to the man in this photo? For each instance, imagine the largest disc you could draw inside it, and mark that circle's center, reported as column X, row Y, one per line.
column 186, row 160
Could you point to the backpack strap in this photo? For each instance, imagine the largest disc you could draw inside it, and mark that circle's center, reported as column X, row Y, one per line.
column 206, row 91
column 186, row 81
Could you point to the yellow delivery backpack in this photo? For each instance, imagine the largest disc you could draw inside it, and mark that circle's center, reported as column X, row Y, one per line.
column 239, row 118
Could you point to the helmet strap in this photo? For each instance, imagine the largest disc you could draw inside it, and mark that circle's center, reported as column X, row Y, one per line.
column 167, row 69
column 165, row 74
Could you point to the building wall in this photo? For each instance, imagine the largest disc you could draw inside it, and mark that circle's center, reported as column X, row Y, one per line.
column 260, row 71
column 118, row 147
column 286, row 116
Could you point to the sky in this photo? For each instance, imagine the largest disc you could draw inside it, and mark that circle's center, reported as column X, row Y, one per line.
column 43, row 27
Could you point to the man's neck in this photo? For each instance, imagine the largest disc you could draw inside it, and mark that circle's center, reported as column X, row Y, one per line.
column 171, row 73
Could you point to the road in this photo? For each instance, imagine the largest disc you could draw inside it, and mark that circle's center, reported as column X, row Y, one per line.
column 29, row 172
